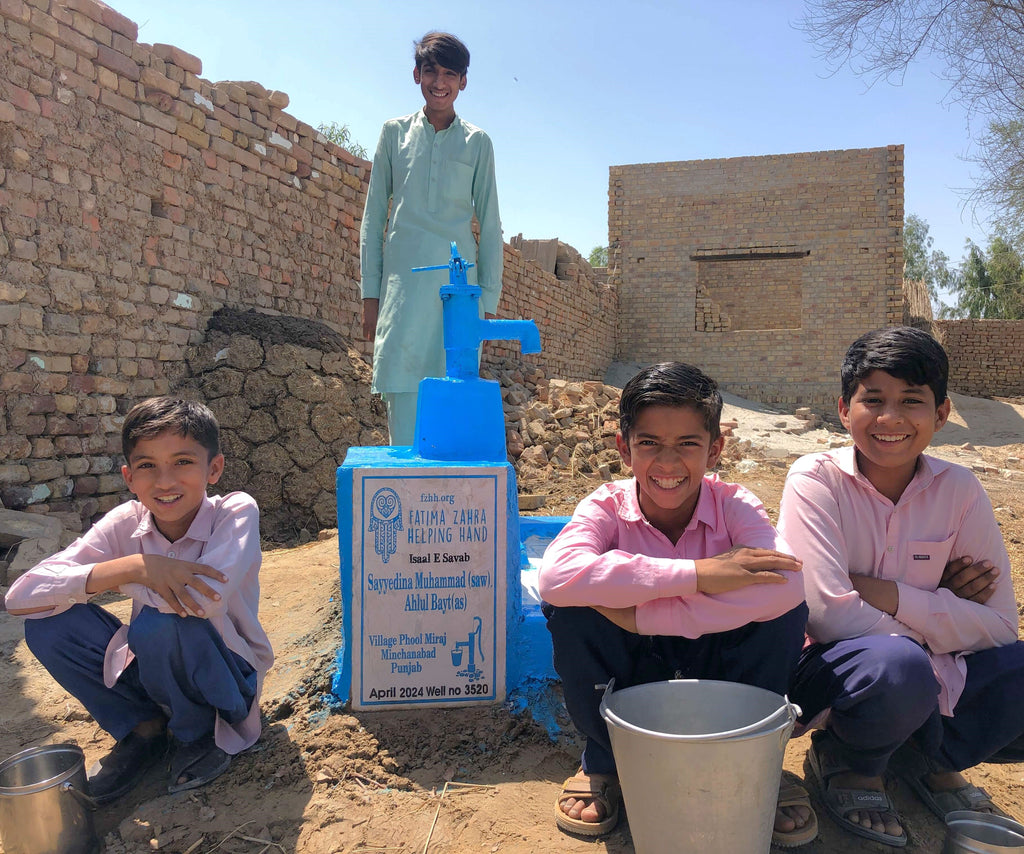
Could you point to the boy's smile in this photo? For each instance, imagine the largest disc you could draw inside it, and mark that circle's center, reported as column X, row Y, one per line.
column 440, row 87
column 169, row 474
column 669, row 450
column 891, row 422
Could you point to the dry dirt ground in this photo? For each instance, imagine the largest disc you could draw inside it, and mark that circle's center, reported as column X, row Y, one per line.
column 324, row 781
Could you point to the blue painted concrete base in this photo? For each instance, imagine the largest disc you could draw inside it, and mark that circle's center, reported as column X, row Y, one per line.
column 460, row 420
column 529, row 669
column 533, row 673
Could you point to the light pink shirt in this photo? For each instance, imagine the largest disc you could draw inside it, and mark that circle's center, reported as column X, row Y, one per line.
column 610, row 555
column 225, row 535
column 839, row 525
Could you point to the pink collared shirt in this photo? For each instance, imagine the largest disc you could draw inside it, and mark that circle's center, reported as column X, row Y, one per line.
column 610, row 555
column 224, row 535
column 840, row 525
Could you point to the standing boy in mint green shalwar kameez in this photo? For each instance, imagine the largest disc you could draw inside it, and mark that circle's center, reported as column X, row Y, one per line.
column 436, row 171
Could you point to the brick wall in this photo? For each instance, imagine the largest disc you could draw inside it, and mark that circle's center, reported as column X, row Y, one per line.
column 136, row 198
column 574, row 310
column 761, row 270
column 984, row 356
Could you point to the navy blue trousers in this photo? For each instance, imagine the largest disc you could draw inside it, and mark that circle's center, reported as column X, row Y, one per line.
column 590, row 650
column 182, row 670
column 881, row 691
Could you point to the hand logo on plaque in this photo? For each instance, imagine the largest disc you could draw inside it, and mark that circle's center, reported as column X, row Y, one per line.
column 385, row 521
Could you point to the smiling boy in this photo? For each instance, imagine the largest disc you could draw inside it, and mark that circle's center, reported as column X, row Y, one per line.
column 912, row 662
column 670, row 574
column 192, row 658
column 432, row 173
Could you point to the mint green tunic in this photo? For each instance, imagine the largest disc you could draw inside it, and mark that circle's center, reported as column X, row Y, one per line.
column 435, row 182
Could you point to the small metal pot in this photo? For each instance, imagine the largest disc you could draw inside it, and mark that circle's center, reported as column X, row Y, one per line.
column 45, row 807
column 982, row 833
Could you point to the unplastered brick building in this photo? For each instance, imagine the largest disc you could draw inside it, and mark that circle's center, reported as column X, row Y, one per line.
column 761, row 270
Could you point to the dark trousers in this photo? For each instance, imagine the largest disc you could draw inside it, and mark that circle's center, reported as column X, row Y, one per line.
column 881, row 691
column 182, row 670
column 589, row 650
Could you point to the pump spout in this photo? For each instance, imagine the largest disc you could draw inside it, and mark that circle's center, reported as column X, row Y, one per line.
column 465, row 330
column 525, row 331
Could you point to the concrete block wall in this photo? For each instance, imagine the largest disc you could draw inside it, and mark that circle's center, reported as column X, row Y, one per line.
column 761, row 270
column 137, row 198
column 984, row 356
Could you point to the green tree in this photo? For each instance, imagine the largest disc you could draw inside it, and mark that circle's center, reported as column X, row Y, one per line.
column 341, row 136
column 980, row 44
column 598, row 256
column 921, row 263
column 991, row 283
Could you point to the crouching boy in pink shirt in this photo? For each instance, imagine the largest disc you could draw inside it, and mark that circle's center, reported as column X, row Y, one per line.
column 912, row 663
column 192, row 658
column 672, row 574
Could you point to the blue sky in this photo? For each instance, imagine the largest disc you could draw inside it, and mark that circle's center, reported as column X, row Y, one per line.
column 567, row 89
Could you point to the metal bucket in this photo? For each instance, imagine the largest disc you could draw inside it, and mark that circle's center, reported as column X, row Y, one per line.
column 980, row 833
column 699, row 763
column 44, row 803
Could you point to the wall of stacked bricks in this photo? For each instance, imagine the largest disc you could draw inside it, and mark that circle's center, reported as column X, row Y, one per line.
column 984, row 356
column 750, row 317
column 136, row 198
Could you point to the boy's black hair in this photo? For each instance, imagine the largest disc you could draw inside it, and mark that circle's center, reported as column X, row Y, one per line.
column 671, row 384
column 442, row 49
column 905, row 352
column 159, row 415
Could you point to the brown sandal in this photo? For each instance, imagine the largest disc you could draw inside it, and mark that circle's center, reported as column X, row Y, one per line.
column 793, row 794
column 606, row 793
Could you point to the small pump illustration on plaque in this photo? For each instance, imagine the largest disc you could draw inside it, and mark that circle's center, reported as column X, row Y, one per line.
column 471, row 671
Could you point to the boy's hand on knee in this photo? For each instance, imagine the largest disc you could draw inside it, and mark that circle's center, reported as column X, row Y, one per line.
column 741, row 567
column 969, row 579
column 624, row 618
column 174, row 581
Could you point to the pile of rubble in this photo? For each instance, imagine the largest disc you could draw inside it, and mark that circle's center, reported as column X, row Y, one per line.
column 553, row 425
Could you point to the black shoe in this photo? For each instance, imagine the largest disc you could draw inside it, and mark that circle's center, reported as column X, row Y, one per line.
column 196, row 763
column 119, row 771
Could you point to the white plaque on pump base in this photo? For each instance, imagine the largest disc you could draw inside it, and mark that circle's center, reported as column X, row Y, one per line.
column 427, row 605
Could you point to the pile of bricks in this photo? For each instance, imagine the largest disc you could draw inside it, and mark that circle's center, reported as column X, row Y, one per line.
column 709, row 316
column 557, row 427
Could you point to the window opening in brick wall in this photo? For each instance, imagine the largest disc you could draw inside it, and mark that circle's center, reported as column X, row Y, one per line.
column 752, row 288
